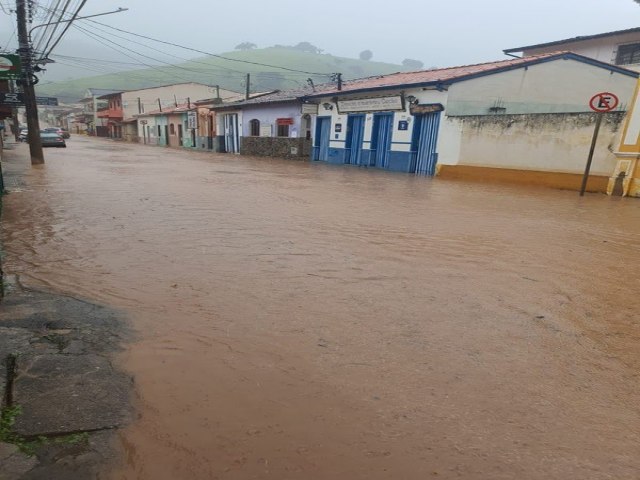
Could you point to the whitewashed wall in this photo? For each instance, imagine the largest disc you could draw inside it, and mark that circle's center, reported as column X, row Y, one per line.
column 558, row 86
column 604, row 49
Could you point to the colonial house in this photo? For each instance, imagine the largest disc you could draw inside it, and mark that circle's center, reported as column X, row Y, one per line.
column 621, row 47
column 92, row 103
column 124, row 108
column 206, row 138
column 271, row 124
column 524, row 120
column 110, row 116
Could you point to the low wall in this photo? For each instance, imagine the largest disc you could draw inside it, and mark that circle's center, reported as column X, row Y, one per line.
column 546, row 149
column 296, row 148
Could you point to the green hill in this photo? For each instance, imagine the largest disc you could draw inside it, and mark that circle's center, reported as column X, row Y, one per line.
column 228, row 74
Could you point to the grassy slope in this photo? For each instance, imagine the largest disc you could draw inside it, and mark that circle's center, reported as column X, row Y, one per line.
column 216, row 71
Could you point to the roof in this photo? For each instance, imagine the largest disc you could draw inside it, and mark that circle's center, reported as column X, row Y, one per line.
column 572, row 40
column 181, row 83
column 446, row 76
column 239, row 97
column 276, row 96
column 180, row 108
column 112, row 94
column 97, row 92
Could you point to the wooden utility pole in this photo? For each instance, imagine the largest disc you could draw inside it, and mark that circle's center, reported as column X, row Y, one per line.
column 31, row 106
column 248, row 87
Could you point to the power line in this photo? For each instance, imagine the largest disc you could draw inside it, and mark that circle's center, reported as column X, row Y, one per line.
column 67, row 26
column 210, row 54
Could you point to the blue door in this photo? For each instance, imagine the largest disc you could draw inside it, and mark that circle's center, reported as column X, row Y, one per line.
column 323, row 131
column 381, row 138
column 425, row 141
column 355, row 135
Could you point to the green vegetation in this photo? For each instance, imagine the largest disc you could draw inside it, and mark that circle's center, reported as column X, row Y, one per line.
column 229, row 75
column 29, row 447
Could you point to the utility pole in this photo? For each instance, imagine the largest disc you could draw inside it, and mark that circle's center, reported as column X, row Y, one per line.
column 14, row 112
column 247, row 93
column 31, row 107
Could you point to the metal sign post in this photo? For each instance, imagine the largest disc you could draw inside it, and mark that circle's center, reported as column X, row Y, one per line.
column 601, row 102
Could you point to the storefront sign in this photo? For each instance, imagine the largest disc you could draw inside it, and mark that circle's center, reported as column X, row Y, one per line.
column 192, row 120
column 15, row 99
column 284, row 121
column 310, row 108
column 9, row 65
column 426, row 108
column 370, row 104
column 49, row 101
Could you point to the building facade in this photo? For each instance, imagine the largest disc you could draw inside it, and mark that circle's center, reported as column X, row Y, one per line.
column 522, row 120
column 621, row 47
column 274, row 124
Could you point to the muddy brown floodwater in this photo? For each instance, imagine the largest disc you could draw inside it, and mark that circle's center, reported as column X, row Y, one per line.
column 305, row 321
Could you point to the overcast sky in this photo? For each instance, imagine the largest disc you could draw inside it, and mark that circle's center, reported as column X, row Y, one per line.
column 439, row 33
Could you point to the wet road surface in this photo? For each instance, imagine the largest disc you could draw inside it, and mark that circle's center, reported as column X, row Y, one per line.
column 298, row 320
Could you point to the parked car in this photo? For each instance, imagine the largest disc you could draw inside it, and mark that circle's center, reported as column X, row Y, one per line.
column 51, row 139
column 60, row 131
column 22, row 136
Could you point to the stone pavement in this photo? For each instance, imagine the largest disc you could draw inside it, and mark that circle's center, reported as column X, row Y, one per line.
column 61, row 396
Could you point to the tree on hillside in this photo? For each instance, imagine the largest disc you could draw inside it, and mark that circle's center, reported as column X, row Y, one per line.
column 414, row 64
column 307, row 47
column 246, row 46
column 366, row 55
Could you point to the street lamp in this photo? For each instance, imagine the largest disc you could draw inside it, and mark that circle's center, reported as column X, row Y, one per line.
column 46, row 60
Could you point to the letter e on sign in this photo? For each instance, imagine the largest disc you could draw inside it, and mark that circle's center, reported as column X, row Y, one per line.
column 603, row 102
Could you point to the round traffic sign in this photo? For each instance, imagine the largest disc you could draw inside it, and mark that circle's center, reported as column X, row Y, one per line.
column 603, row 102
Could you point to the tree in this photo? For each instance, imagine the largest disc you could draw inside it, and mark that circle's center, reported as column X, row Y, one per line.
column 366, row 55
column 307, row 47
column 246, row 46
column 415, row 64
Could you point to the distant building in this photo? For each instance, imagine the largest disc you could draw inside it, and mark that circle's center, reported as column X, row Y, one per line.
column 621, row 47
column 121, row 116
column 92, row 103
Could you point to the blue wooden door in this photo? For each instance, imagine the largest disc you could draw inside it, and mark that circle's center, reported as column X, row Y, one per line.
column 323, row 132
column 381, row 138
column 425, row 142
column 355, row 135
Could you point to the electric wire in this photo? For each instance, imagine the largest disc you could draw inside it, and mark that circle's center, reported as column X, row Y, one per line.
column 208, row 53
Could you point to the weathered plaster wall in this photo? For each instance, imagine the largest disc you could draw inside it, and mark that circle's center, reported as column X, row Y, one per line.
column 538, row 142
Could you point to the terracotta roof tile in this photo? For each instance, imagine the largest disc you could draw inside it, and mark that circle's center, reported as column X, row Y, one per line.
column 447, row 75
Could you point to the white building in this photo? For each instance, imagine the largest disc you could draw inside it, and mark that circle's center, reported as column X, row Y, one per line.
column 621, row 47
column 525, row 119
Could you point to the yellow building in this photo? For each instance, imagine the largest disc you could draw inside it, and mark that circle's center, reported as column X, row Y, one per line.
column 625, row 180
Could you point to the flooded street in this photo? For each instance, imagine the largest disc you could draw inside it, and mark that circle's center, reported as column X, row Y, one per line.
column 303, row 321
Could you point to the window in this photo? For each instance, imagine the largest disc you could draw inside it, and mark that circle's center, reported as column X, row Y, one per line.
column 254, row 128
column 283, row 126
column 628, row 54
column 172, row 129
column 283, row 130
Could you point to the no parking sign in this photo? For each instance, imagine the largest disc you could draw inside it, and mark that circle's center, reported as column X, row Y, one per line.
column 604, row 102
